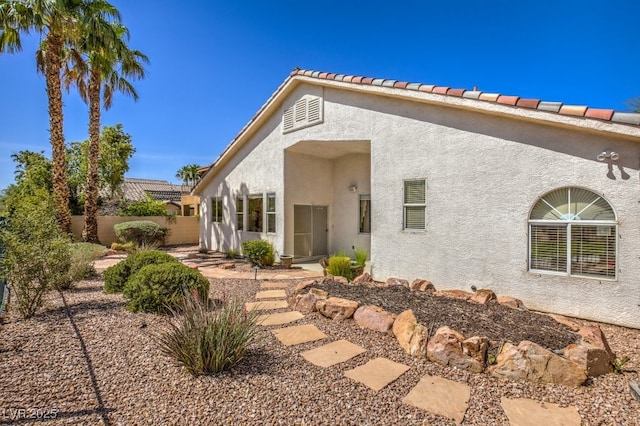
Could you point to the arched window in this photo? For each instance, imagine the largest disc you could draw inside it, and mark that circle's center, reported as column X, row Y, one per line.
column 573, row 231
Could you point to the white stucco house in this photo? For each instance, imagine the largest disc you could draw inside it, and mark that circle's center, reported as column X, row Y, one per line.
column 533, row 199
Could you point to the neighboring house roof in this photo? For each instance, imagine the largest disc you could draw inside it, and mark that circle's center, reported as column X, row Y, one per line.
column 595, row 119
column 162, row 190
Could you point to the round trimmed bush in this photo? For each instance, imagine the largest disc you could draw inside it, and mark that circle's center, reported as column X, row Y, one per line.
column 116, row 276
column 158, row 288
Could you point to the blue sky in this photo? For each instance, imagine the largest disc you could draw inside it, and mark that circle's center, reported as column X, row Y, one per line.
column 214, row 63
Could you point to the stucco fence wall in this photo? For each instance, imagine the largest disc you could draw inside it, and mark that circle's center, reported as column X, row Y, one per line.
column 184, row 229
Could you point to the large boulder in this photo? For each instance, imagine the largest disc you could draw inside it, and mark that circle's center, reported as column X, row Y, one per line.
column 595, row 361
column 336, row 308
column 511, row 302
column 531, row 362
column 593, row 335
column 363, row 278
column 454, row 294
column 306, row 303
column 303, row 285
column 483, row 296
column 422, row 285
column 374, row 318
column 446, row 348
column 396, row 282
column 411, row 335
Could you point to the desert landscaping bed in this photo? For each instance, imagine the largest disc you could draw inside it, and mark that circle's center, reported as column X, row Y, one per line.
column 102, row 366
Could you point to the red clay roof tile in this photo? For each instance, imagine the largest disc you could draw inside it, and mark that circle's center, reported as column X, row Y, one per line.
column 556, row 107
column 508, row 100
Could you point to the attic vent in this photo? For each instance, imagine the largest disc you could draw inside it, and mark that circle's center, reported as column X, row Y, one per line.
column 305, row 112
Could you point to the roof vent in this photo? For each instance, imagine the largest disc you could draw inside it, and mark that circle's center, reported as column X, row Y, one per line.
column 306, row 112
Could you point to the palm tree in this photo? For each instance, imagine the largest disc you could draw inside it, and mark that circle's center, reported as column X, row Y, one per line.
column 56, row 20
column 99, row 66
column 189, row 174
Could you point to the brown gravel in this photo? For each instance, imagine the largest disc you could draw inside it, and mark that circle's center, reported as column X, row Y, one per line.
column 100, row 366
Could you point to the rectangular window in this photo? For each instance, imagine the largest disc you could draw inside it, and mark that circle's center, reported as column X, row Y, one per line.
column 216, row 209
column 593, row 250
column 254, row 213
column 365, row 213
column 271, row 212
column 415, row 204
column 549, row 248
column 239, row 213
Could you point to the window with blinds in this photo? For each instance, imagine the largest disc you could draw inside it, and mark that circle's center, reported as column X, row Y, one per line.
column 573, row 231
column 415, row 204
column 271, row 212
column 305, row 112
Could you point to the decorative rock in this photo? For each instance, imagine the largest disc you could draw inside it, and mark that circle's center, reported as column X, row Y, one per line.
column 307, row 303
column 412, row 337
column 111, row 252
column 531, row 362
column 374, row 318
column 422, row 285
column 565, row 321
column 302, row 285
column 341, row 280
column 445, row 348
column 594, row 335
column 191, row 265
column 634, row 388
column 511, row 302
column 227, row 266
column 454, row 294
column 391, row 282
column 328, row 279
column 595, row 361
column 363, row 279
column 483, row 296
column 337, row 308
column 476, row 347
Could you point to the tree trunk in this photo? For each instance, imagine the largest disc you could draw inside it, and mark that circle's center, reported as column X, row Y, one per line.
column 90, row 231
column 59, row 166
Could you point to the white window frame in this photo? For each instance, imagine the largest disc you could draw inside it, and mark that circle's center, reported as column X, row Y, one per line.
column 240, row 213
column 405, row 205
column 269, row 213
column 568, row 223
column 262, row 212
column 217, row 209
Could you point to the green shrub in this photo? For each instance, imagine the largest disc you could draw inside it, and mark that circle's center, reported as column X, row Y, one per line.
column 157, row 288
column 36, row 257
column 204, row 341
column 144, row 233
column 146, row 207
column 260, row 252
column 116, row 276
column 361, row 256
column 82, row 257
column 340, row 266
column 232, row 254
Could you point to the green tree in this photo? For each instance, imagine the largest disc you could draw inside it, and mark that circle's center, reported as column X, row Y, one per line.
column 100, row 66
column 146, row 207
column 57, row 23
column 634, row 104
column 189, row 174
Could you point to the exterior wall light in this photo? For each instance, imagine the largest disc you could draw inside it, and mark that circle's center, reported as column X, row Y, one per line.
column 612, row 155
column 353, row 188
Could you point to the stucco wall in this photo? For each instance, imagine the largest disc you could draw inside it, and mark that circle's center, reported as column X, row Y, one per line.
column 483, row 171
column 184, row 230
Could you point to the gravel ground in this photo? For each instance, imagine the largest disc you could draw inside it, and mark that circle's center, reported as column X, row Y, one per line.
column 100, row 366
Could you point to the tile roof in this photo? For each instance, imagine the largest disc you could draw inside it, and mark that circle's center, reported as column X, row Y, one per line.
column 162, row 190
column 516, row 101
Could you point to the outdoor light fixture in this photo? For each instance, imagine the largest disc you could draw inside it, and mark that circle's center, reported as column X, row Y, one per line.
column 612, row 155
column 255, row 276
column 353, row 188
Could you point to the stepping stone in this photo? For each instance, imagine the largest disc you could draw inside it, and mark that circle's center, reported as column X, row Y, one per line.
column 271, row 294
column 299, row 334
column 266, row 305
column 377, row 373
column 273, row 284
column 440, row 396
column 332, row 353
column 279, row 318
column 527, row 412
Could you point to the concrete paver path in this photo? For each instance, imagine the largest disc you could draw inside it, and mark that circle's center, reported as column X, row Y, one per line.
column 271, row 294
column 279, row 318
column 298, row 334
column 332, row 353
column 266, row 305
column 377, row 373
column 440, row 396
column 527, row 412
